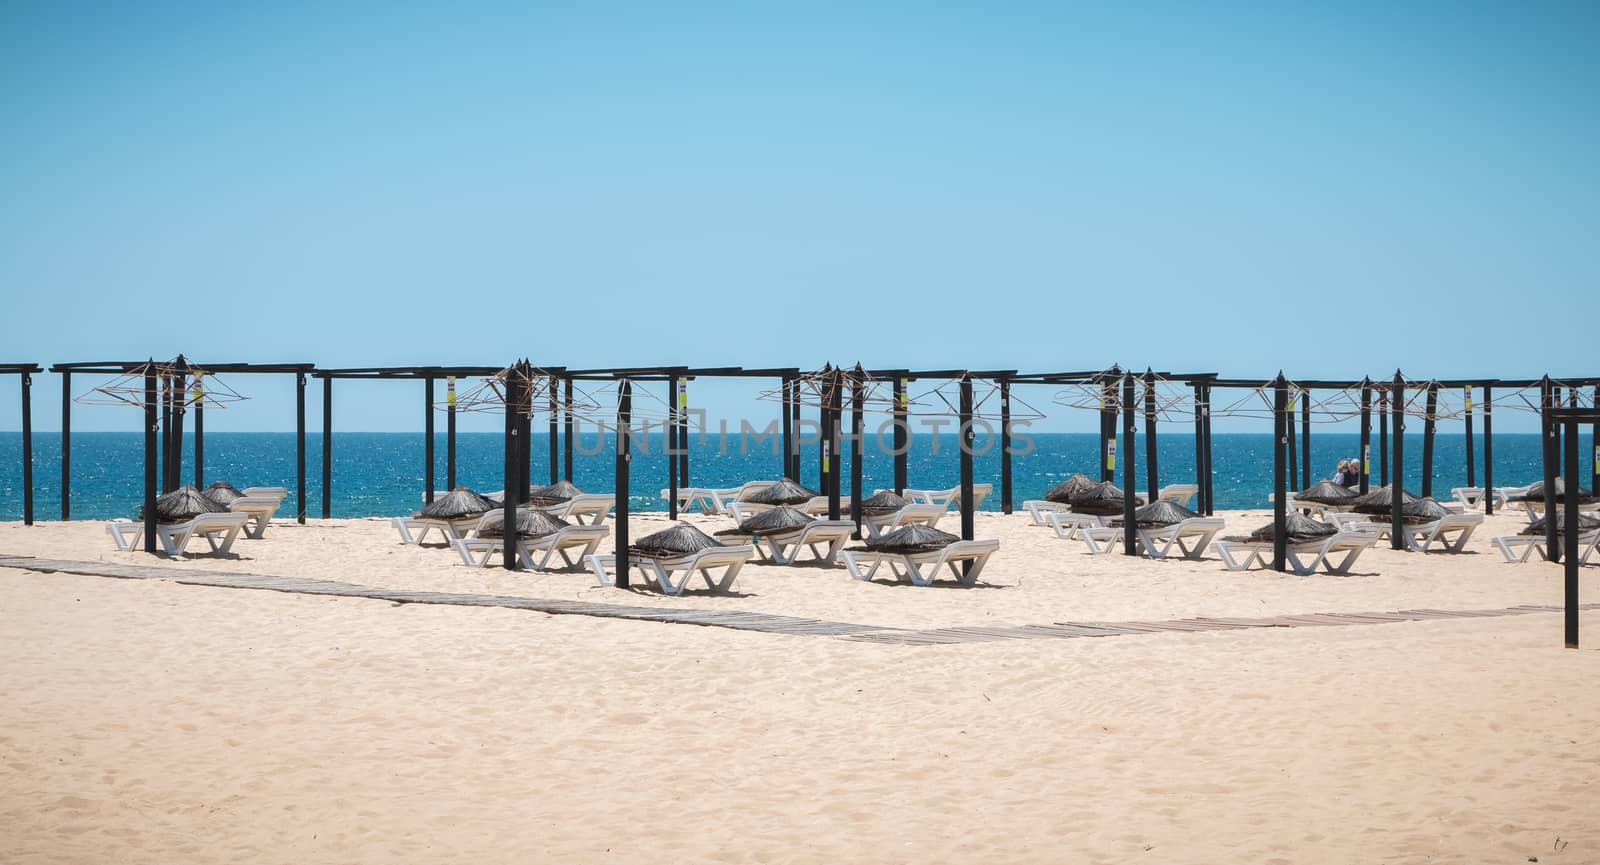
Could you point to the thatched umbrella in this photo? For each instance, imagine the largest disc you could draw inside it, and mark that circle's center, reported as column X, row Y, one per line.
column 1296, row 527
column 530, row 524
column 1103, row 499
column 460, row 503
column 782, row 492
column 1586, row 523
column 1327, row 492
column 1063, row 492
column 679, row 539
column 1422, row 511
column 1535, row 493
column 770, row 522
column 184, row 504
column 882, row 503
column 915, row 538
column 557, row 493
column 1379, row 501
column 1159, row 515
column 222, row 492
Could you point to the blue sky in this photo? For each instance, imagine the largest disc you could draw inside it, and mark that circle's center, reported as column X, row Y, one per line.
column 1333, row 189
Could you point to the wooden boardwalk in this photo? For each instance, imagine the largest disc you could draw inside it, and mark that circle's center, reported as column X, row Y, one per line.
column 744, row 621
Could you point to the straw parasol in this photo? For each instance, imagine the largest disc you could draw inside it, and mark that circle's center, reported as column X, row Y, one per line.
column 1379, row 501
column 1159, row 515
column 915, row 538
column 184, row 504
column 530, row 524
column 1063, row 492
column 1535, row 493
column 1586, row 523
column 782, row 492
column 679, row 539
column 557, row 493
column 222, row 492
column 768, row 522
column 1422, row 511
column 885, row 502
column 1104, row 499
column 1296, row 527
column 459, row 503
column 1326, row 492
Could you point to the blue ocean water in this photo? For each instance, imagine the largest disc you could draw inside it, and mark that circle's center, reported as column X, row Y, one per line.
column 381, row 474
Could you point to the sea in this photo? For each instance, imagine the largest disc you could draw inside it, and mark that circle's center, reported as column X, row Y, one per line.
column 382, row 474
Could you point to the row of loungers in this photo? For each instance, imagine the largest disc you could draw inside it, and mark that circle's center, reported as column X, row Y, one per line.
column 249, row 516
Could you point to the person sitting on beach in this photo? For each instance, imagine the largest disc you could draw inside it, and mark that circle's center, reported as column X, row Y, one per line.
column 1352, row 477
column 1339, row 473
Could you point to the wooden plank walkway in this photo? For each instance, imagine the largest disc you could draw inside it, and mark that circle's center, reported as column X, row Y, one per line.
column 747, row 621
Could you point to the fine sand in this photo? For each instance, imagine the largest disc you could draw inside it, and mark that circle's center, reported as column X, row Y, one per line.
column 148, row 721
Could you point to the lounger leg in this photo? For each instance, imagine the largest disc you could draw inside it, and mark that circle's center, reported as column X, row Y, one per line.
column 856, row 572
column 227, row 540
column 1343, row 568
column 913, row 573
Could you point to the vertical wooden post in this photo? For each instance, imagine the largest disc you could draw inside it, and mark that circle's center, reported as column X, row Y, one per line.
column 554, row 428
column 427, row 439
column 1280, row 486
column 1594, row 441
column 300, row 447
column 1429, row 427
column 1570, row 571
column 180, row 392
column 671, row 437
column 683, row 430
column 858, row 426
column 151, row 421
column 1130, row 530
column 513, row 468
column 450, row 433
column 199, row 395
column 327, row 447
column 1151, row 473
column 1305, row 438
column 1472, row 454
column 835, row 421
column 1290, row 451
column 1210, row 486
column 1397, row 405
column 166, row 433
column 1366, row 436
column 1199, row 447
column 794, row 412
column 1383, row 438
column 902, row 435
column 27, row 448
column 964, row 441
column 1005, row 446
column 66, row 445
column 1552, row 456
column 1488, row 450
column 1108, row 427
column 624, row 456
column 787, row 423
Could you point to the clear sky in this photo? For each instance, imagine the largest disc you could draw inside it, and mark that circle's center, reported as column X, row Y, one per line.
column 1334, row 189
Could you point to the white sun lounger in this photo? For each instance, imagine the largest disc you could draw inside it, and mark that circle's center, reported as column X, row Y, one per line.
column 824, row 538
column 219, row 531
column 1302, row 558
column 706, row 497
column 414, row 530
column 1190, row 538
column 951, row 496
column 1038, row 508
column 1449, row 533
column 478, row 552
column 1178, row 494
column 279, row 493
column 658, row 573
column 920, row 569
column 584, row 509
column 1068, row 525
column 260, row 510
column 925, row 514
column 1520, row 548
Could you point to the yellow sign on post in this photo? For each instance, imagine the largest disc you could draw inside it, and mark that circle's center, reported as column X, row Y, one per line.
column 1111, row 454
column 1468, row 390
column 199, row 390
column 450, row 391
column 683, row 393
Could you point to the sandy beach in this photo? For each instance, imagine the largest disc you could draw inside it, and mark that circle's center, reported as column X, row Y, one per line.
column 150, row 721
